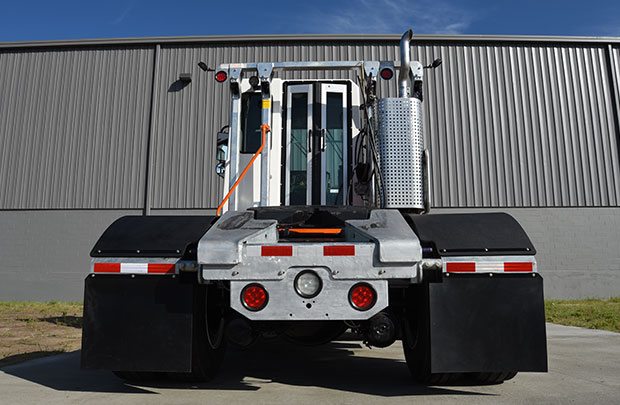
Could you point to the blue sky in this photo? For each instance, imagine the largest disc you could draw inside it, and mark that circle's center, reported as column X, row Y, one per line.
column 73, row 19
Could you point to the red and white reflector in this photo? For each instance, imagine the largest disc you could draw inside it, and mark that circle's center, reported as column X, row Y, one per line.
column 276, row 250
column 135, row 268
column 339, row 250
column 489, row 266
column 518, row 267
column 461, row 267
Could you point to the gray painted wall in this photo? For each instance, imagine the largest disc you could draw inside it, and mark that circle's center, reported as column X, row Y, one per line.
column 90, row 131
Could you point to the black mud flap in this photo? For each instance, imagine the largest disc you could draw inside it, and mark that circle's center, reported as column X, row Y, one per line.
column 477, row 323
column 141, row 323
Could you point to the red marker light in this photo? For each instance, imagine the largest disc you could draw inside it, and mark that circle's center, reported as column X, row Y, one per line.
column 362, row 297
column 221, row 76
column 254, row 297
column 386, row 73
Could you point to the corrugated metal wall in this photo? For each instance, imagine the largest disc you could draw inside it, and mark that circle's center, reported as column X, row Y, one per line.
column 509, row 124
column 73, row 127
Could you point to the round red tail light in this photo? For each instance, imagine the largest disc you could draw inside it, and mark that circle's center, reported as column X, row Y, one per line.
column 221, row 76
column 254, row 297
column 386, row 73
column 362, row 296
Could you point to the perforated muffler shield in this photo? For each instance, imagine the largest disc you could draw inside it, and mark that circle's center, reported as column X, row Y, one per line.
column 401, row 148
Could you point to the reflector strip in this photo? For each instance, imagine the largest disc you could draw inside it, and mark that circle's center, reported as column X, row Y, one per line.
column 461, row 267
column 339, row 250
column 161, row 268
column 135, row 268
column 107, row 268
column 518, row 266
column 283, row 250
column 488, row 266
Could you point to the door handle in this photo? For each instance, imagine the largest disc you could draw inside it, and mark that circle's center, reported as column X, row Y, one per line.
column 309, row 140
column 323, row 140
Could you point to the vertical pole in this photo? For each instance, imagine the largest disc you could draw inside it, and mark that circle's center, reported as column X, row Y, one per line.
column 264, row 72
column 151, row 133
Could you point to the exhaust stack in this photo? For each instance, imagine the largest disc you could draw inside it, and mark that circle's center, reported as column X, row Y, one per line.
column 404, row 73
column 401, row 140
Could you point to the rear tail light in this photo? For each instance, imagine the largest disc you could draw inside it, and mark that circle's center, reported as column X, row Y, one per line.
column 362, row 296
column 386, row 73
column 221, row 76
column 254, row 297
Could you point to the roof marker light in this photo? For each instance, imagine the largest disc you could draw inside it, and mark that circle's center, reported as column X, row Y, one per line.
column 221, row 76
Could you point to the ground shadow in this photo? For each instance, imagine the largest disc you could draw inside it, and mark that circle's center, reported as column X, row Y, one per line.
column 332, row 366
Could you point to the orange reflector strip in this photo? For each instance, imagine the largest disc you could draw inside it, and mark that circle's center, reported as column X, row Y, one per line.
column 107, row 267
column 324, row 231
column 461, row 267
column 161, row 268
column 339, row 250
column 518, row 266
column 283, row 250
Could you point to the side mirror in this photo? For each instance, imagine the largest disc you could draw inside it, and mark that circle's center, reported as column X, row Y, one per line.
column 221, row 152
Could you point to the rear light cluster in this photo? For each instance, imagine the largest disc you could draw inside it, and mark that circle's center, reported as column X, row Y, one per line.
column 386, row 73
column 362, row 296
column 221, row 76
column 254, row 297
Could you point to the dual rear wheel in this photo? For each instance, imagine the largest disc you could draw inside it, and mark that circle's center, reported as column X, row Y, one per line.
column 416, row 346
column 208, row 342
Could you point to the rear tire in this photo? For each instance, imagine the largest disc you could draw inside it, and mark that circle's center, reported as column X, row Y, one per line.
column 493, row 378
column 417, row 355
column 208, row 343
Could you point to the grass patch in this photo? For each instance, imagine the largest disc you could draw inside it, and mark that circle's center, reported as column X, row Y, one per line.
column 34, row 329
column 590, row 313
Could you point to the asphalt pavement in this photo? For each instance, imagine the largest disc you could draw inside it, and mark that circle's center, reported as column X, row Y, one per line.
column 584, row 367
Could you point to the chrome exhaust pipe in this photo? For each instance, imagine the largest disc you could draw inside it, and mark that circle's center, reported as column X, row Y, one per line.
column 405, row 64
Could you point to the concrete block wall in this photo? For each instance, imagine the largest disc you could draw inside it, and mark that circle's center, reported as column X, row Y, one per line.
column 578, row 249
column 44, row 255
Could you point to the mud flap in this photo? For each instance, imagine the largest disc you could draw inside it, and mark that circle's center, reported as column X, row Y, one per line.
column 141, row 323
column 477, row 323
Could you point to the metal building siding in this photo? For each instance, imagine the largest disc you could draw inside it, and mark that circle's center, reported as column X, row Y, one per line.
column 521, row 126
column 189, row 118
column 74, row 127
column 508, row 125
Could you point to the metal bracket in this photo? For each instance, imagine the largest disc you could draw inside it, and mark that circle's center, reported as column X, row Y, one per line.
column 265, row 70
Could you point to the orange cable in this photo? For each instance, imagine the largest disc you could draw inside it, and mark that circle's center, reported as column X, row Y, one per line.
column 264, row 129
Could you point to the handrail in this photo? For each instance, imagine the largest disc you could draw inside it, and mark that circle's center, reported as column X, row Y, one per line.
column 264, row 129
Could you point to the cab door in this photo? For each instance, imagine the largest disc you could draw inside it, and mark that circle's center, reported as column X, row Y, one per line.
column 334, row 144
column 316, row 144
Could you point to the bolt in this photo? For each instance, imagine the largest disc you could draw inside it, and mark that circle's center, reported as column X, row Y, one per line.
column 133, row 276
column 137, row 251
column 490, row 274
column 234, row 273
column 381, row 272
column 281, row 273
column 336, row 272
